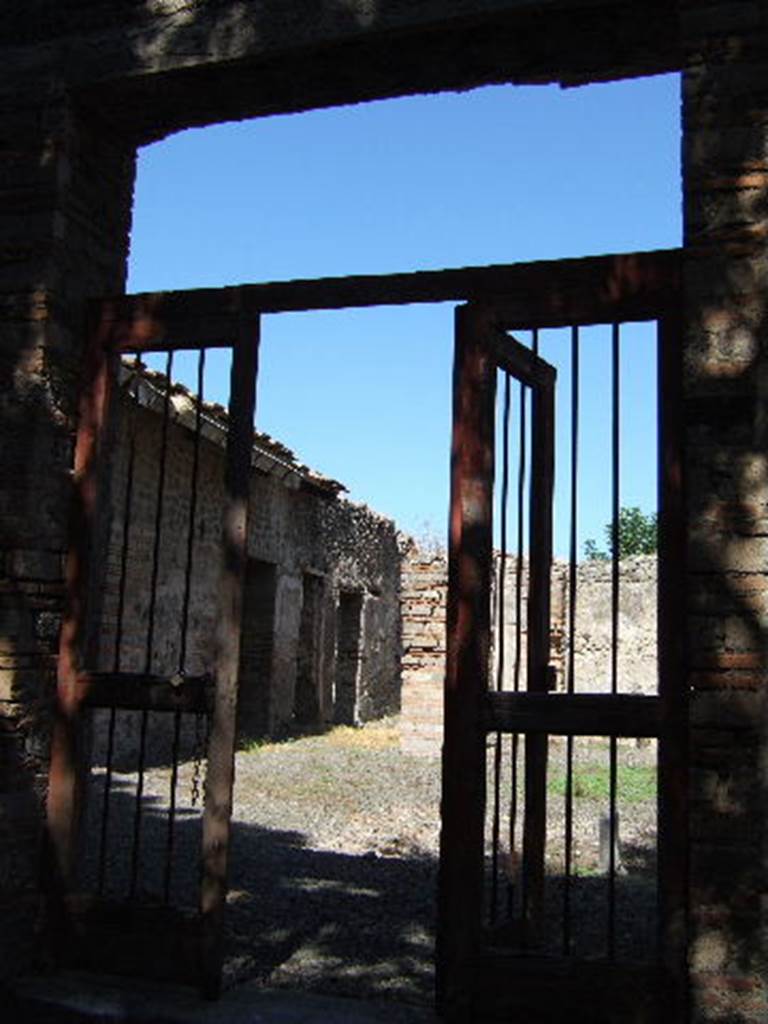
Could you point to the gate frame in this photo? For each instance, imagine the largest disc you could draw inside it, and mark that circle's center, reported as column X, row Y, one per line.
column 546, row 293
column 472, row 980
column 196, row 953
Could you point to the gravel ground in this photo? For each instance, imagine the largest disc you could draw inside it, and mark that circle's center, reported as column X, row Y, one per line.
column 334, row 865
column 334, row 861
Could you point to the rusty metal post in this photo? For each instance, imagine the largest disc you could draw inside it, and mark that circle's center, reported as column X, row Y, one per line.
column 539, row 569
column 66, row 768
column 221, row 746
column 466, row 679
column 673, row 769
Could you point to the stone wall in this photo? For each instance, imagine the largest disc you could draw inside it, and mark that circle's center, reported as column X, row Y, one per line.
column 309, row 552
column 725, row 151
column 424, row 588
column 425, row 581
column 66, row 187
column 83, row 82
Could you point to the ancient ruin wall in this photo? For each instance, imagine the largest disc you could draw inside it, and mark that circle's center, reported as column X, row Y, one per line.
column 305, row 541
column 78, row 81
column 425, row 580
column 424, row 588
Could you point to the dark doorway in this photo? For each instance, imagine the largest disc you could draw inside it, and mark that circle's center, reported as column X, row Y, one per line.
column 348, row 634
column 257, row 647
column 310, row 653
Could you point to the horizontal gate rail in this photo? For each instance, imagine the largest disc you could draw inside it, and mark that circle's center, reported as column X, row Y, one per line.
column 139, row 691
column 574, row 714
column 546, row 293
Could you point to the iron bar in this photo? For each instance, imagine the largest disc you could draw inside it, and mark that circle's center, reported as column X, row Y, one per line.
column 615, row 556
column 538, row 647
column 571, row 662
column 193, row 486
column 137, row 821
column 519, row 566
column 220, row 767
column 127, row 504
column 182, row 663
column 500, row 635
column 521, row 477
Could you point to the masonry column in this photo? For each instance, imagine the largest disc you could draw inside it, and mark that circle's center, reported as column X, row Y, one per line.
column 65, row 202
column 726, row 419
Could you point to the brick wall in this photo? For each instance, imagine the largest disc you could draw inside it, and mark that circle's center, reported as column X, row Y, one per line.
column 424, row 588
column 65, row 193
column 725, row 110
column 65, row 200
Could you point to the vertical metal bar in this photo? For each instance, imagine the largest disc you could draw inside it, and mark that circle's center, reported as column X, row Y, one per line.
column 66, row 768
column 193, row 494
column 521, row 478
column 504, row 500
column 460, row 887
column 615, row 556
column 182, row 664
column 221, row 746
column 673, row 743
column 124, row 548
column 539, row 577
column 571, row 660
column 519, row 566
column 137, row 819
column 501, row 642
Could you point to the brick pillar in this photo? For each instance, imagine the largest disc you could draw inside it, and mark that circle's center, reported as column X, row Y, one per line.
column 726, row 422
column 65, row 200
column 424, row 585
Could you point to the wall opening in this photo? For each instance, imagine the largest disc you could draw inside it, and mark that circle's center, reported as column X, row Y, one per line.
column 349, row 622
column 257, row 647
column 398, row 212
column 309, row 666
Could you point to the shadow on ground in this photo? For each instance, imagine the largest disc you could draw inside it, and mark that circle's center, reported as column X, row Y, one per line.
column 297, row 917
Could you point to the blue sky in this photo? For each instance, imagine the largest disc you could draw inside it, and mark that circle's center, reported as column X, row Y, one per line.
column 495, row 175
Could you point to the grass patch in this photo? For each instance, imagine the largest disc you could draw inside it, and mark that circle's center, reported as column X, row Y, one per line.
column 635, row 784
column 380, row 735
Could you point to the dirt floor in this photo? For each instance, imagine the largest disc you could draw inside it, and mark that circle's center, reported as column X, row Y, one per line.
column 334, row 857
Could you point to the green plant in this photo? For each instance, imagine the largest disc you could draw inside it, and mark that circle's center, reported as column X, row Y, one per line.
column 637, row 535
column 635, row 784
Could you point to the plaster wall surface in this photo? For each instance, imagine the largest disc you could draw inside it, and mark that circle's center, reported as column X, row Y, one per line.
column 294, row 532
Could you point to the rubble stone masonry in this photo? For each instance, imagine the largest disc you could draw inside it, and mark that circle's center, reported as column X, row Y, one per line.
column 424, row 588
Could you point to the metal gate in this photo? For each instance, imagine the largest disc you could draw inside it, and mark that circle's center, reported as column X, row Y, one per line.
column 122, row 836
column 511, row 896
column 126, row 913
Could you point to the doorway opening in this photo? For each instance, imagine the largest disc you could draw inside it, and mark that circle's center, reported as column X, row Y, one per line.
column 349, row 626
column 637, row 283
column 305, row 641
